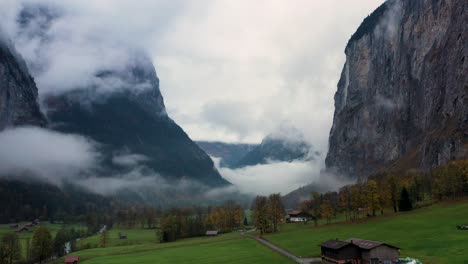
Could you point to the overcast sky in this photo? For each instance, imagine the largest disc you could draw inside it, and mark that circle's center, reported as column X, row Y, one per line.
column 230, row 70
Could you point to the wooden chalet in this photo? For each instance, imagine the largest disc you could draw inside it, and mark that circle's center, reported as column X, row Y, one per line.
column 359, row 251
column 299, row 216
column 122, row 236
column 14, row 226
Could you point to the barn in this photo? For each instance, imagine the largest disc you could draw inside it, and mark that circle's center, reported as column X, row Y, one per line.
column 337, row 251
column 376, row 251
column 357, row 251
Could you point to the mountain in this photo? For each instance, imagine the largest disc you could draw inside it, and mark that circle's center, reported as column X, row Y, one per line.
column 402, row 99
column 230, row 153
column 275, row 148
column 18, row 91
column 129, row 119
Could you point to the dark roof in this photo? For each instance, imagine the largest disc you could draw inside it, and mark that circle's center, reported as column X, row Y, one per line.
column 335, row 244
column 368, row 244
column 297, row 212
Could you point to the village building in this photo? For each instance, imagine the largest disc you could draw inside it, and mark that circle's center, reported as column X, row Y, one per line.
column 14, row 226
column 122, row 236
column 22, row 229
column 298, row 216
column 359, row 251
column 72, row 260
column 212, row 233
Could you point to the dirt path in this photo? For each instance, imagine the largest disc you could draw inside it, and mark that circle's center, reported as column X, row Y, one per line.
column 281, row 250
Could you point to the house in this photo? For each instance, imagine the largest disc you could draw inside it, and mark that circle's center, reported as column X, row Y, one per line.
column 22, row 229
column 72, row 260
column 375, row 252
column 299, row 216
column 122, row 236
column 212, row 233
column 359, row 251
column 337, row 251
column 30, row 224
column 14, row 226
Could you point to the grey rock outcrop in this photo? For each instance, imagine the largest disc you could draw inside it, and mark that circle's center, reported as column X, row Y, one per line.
column 18, row 91
column 402, row 100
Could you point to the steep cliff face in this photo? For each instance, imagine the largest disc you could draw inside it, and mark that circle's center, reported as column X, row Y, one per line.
column 125, row 113
column 18, row 92
column 402, row 98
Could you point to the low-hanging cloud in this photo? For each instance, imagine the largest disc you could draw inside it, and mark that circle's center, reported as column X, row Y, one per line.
column 276, row 177
column 46, row 154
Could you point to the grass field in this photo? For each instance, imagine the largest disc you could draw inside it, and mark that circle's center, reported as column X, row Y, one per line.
column 428, row 234
column 227, row 248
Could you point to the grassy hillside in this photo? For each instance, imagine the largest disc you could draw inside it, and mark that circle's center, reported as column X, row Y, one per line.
column 429, row 234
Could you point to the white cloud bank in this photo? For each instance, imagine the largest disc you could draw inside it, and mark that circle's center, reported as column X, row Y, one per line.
column 43, row 153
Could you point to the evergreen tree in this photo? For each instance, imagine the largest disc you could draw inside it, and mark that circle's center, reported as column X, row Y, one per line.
column 405, row 201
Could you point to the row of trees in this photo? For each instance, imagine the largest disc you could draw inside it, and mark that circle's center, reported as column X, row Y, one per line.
column 267, row 213
column 401, row 193
column 191, row 222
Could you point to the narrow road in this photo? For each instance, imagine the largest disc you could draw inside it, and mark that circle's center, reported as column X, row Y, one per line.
column 281, row 250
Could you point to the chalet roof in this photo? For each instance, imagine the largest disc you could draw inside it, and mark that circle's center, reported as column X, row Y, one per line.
column 297, row 212
column 71, row 259
column 211, row 232
column 368, row 244
column 335, row 244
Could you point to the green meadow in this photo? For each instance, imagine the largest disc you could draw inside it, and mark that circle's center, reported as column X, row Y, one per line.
column 429, row 233
column 142, row 248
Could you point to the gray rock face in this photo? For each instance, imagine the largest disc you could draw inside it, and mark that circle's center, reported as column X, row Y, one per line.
column 402, row 98
column 18, row 92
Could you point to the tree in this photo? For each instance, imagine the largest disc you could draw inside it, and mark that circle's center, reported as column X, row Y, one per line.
column 63, row 236
column 315, row 203
column 104, row 240
column 246, row 223
column 393, row 190
column 10, row 248
column 372, row 196
column 405, row 202
column 326, row 210
column 276, row 210
column 260, row 214
column 42, row 244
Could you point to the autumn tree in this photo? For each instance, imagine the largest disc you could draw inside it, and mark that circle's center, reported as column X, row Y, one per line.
column 276, row 210
column 10, row 248
column 260, row 214
column 315, row 203
column 394, row 194
column 326, row 210
column 372, row 196
column 42, row 244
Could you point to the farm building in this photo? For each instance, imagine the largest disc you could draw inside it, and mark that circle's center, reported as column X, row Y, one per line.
column 22, row 229
column 211, row 233
column 72, row 260
column 298, row 216
column 336, row 251
column 122, row 236
column 359, row 251
column 14, row 226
